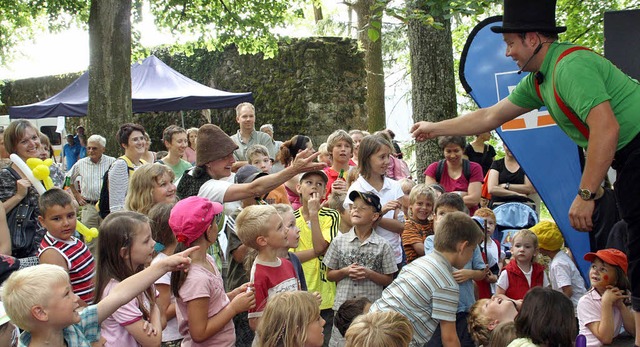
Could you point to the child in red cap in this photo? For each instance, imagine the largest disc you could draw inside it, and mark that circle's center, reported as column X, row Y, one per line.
column 603, row 310
column 204, row 311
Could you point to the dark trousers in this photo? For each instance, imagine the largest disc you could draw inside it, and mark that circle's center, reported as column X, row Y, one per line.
column 627, row 189
column 462, row 329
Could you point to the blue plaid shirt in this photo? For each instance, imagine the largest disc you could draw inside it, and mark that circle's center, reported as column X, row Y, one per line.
column 76, row 335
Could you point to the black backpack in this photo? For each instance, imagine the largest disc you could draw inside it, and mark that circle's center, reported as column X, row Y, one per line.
column 466, row 169
column 103, row 203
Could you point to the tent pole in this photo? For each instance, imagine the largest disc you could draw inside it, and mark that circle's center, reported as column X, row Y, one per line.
column 182, row 118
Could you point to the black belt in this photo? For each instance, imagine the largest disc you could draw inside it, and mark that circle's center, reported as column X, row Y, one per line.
column 622, row 154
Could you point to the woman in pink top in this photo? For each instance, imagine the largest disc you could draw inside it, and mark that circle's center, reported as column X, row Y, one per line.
column 453, row 177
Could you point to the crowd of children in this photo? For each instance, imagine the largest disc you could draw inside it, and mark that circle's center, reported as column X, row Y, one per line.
column 361, row 259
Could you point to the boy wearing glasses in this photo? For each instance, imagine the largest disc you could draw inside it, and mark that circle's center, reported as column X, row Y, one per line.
column 360, row 261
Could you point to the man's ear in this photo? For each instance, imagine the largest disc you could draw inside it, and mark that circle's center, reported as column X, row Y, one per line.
column 40, row 219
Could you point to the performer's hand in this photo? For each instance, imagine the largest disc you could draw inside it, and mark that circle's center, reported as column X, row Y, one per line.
column 422, row 131
column 581, row 213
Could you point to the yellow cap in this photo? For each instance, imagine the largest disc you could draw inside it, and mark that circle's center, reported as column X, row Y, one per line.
column 549, row 236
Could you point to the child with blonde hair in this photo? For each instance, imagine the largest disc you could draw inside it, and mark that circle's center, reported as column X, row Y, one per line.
column 260, row 227
column 380, row 329
column 291, row 319
column 523, row 272
column 419, row 225
column 293, row 238
column 563, row 272
column 39, row 300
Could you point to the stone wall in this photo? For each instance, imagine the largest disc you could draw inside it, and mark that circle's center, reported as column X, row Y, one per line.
column 313, row 86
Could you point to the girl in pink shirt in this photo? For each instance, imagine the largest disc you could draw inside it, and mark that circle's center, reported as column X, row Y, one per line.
column 204, row 310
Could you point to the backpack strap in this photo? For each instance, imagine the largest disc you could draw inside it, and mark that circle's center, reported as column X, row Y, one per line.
column 466, row 169
column 573, row 118
column 439, row 170
column 130, row 165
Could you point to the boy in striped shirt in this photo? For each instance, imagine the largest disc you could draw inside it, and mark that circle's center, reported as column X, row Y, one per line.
column 425, row 290
column 59, row 245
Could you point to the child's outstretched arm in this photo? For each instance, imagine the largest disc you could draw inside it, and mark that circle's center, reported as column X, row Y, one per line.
column 128, row 289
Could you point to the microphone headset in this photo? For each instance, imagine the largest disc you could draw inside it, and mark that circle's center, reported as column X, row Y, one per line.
column 530, row 58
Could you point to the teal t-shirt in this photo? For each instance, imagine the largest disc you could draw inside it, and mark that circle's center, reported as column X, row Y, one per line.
column 583, row 80
column 180, row 169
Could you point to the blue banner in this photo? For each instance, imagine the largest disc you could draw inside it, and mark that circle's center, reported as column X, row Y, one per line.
column 547, row 155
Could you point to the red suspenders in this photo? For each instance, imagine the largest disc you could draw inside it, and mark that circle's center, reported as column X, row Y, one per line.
column 581, row 126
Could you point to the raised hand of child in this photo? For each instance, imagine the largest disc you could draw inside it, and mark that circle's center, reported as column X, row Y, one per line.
column 339, row 186
column 318, row 297
column 243, row 301
column 462, row 275
column 314, row 204
column 179, row 261
column 390, row 206
column 614, row 296
column 357, row 272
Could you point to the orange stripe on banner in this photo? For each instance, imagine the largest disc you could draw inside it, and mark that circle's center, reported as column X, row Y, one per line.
column 514, row 124
column 545, row 120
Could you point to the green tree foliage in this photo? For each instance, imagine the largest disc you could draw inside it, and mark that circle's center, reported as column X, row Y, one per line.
column 21, row 20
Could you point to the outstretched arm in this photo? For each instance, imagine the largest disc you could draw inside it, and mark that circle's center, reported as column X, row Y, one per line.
column 479, row 121
column 133, row 285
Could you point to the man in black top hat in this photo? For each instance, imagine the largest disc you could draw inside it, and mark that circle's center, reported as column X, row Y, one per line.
column 591, row 100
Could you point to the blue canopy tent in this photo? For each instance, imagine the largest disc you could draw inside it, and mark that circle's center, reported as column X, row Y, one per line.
column 154, row 87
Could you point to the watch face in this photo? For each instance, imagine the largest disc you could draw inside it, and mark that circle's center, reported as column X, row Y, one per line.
column 585, row 194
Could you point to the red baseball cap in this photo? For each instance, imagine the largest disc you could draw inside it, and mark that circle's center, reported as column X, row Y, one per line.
column 610, row 256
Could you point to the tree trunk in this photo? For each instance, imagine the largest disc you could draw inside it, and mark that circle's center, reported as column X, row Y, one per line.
column 373, row 64
column 109, row 69
column 432, row 77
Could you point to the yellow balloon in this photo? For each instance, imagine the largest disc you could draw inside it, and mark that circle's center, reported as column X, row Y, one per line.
column 48, row 162
column 32, row 163
column 48, row 183
column 41, row 172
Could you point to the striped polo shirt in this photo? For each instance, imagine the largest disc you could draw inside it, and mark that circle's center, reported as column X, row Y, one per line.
column 79, row 262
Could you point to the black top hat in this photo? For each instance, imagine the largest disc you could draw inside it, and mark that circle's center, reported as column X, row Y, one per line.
column 521, row 16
